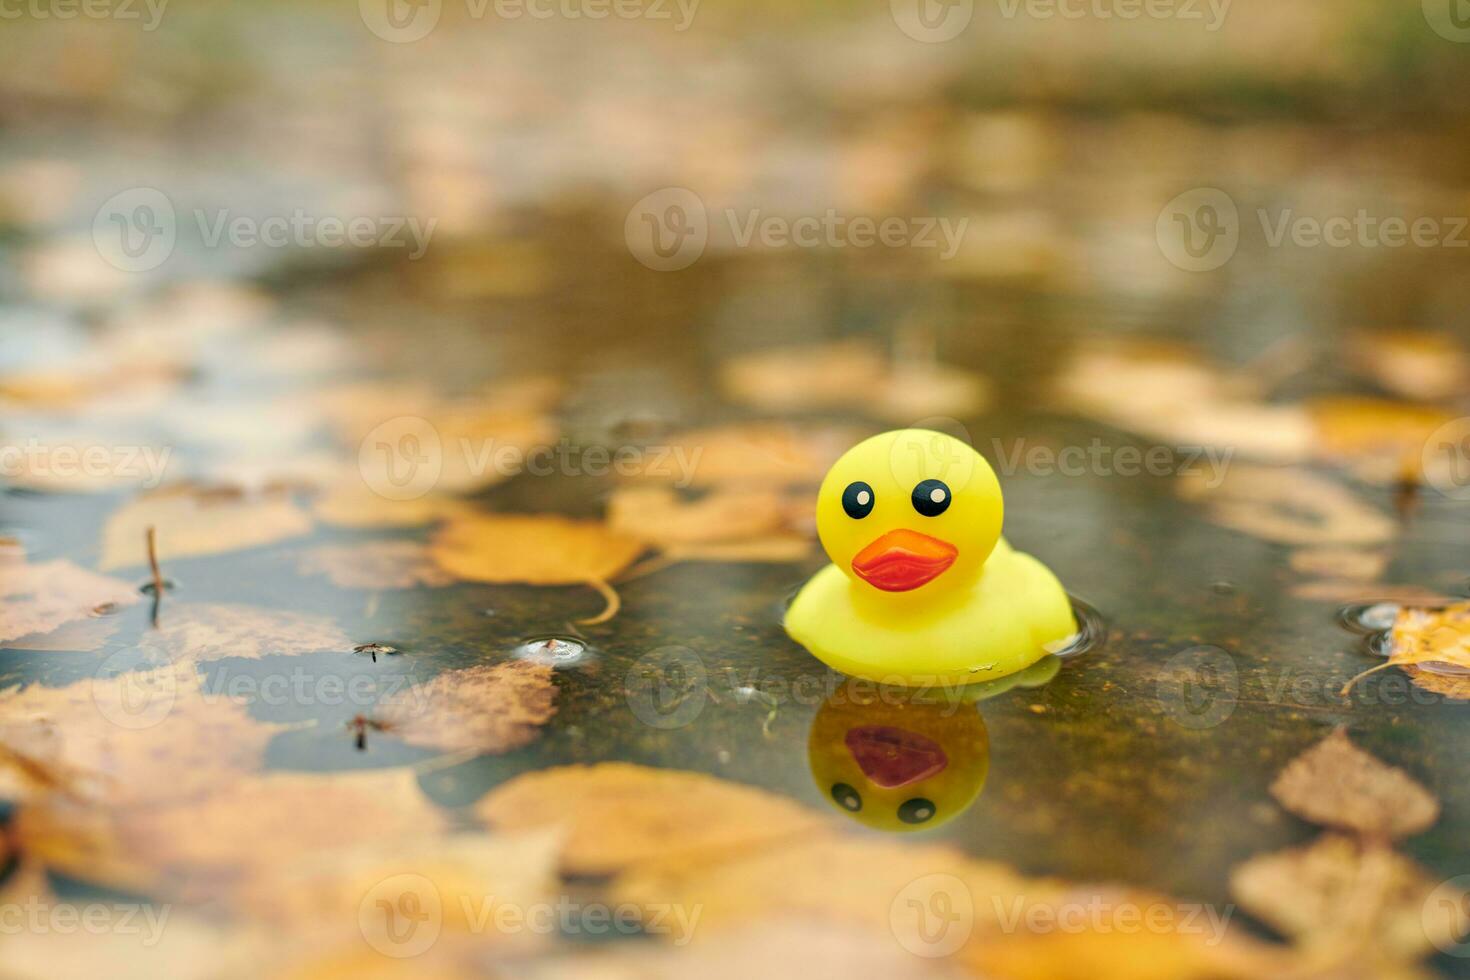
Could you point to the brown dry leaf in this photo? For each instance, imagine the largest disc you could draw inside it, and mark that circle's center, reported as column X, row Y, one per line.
column 1336, row 784
column 195, row 520
column 1349, row 899
column 140, row 737
column 1411, row 363
column 1289, row 506
column 200, row 632
column 1170, row 394
column 618, row 814
column 374, row 565
column 852, row 374
column 486, row 709
column 536, row 550
column 261, row 825
column 38, row 598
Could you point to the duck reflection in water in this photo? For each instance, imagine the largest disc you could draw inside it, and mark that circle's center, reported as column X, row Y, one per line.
column 906, row 759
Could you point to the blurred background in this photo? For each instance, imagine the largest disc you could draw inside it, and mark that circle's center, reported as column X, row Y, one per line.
column 255, row 235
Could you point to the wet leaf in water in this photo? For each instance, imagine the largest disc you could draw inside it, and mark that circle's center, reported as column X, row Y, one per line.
column 754, row 454
column 40, row 597
column 855, row 375
column 724, row 525
column 260, row 826
column 1170, row 394
column 1438, row 638
column 140, row 737
column 193, row 520
column 1349, row 899
column 200, row 632
column 618, row 815
column 1412, row 363
column 351, row 503
column 1453, row 686
column 1287, row 505
column 1338, row 785
column 485, row 709
column 374, row 565
column 536, row 550
column 1341, row 563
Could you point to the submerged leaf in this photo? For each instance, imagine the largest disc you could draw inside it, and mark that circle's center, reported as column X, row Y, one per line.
column 731, row 525
column 618, row 814
column 536, row 550
column 374, row 565
column 38, row 598
column 485, row 709
column 194, row 520
column 214, row 631
column 1288, row 505
column 1338, row 785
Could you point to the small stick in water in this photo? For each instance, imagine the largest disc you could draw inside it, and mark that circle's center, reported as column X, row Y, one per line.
column 158, row 584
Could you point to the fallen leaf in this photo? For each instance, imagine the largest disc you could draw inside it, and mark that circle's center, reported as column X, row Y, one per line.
column 140, row 737
column 1338, row 785
column 488, row 709
column 754, row 454
column 618, row 814
column 198, row 632
column 374, row 565
column 259, row 826
column 1349, row 899
column 1427, row 636
column 195, row 520
column 853, row 374
column 1411, row 363
column 1342, row 563
column 536, row 550
column 1287, row 505
column 353, row 504
column 1170, row 394
column 1456, row 686
column 38, row 598
column 1369, row 427
column 658, row 515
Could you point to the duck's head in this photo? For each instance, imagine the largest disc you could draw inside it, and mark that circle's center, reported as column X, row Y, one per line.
column 910, row 512
column 897, row 762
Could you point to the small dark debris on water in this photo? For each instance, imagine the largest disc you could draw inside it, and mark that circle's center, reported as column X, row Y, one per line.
column 158, row 585
column 360, row 725
column 373, row 649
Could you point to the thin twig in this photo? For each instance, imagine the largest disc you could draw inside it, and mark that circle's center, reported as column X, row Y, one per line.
column 157, row 572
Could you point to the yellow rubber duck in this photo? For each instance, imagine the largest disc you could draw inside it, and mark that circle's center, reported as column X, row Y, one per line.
column 897, row 761
column 922, row 589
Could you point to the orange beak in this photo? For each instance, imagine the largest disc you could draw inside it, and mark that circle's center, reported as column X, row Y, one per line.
column 902, row 560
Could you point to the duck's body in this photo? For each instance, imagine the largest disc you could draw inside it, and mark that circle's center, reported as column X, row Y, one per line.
column 918, row 598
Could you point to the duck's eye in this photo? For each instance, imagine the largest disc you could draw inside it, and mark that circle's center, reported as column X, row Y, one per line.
column 857, row 500
column 931, row 498
column 916, row 810
column 847, row 797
